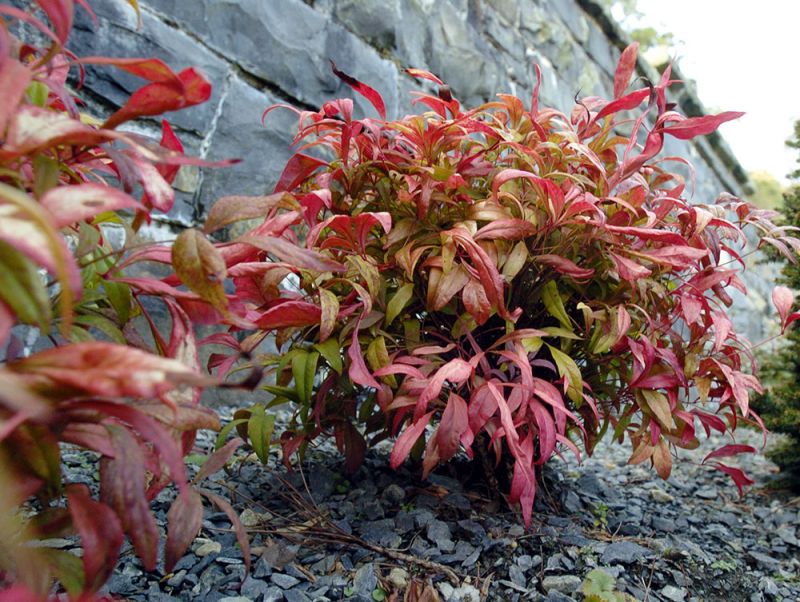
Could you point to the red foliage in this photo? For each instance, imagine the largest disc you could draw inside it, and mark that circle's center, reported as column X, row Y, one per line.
column 512, row 272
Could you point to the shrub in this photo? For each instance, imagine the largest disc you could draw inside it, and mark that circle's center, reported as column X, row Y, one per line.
column 505, row 278
column 66, row 179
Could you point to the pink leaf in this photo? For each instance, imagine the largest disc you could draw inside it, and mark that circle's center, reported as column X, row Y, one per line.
column 677, row 255
column 690, row 127
column 456, row 371
column 565, row 266
column 730, row 450
column 625, row 68
column 70, row 204
column 407, row 439
column 358, row 371
column 60, row 13
column 14, row 79
column 287, row 251
column 783, row 299
column 628, row 269
column 105, row 370
column 507, row 229
column 369, row 93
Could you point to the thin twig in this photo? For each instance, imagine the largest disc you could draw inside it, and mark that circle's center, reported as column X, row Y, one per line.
column 317, row 526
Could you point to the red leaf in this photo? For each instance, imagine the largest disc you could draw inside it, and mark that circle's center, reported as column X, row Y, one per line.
column 170, row 142
column 290, row 313
column 737, row 474
column 476, row 302
column 369, row 93
column 216, row 461
column 148, row 428
column 625, row 68
column 151, row 69
column 664, row 236
column 730, row 450
column 184, row 521
column 421, row 74
column 122, row 486
column 626, row 103
column 354, row 448
column 190, row 87
column 690, row 127
column 70, row 204
column 783, row 299
column 238, row 528
column 407, row 439
column 101, row 535
column 453, row 423
column 297, row 170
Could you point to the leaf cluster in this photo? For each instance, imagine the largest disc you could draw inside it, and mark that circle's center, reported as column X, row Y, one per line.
column 508, row 276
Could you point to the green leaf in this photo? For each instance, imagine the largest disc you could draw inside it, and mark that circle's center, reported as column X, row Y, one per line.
column 226, row 430
column 46, row 171
column 332, row 352
column 37, row 93
column 304, row 369
column 379, row 594
column 119, row 295
column 279, row 391
column 104, row 325
column 398, row 302
column 378, row 357
column 68, row 569
column 599, row 586
column 658, row 404
column 569, row 369
column 557, row 331
column 21, row 287
column 555, row 305
column 259, row 431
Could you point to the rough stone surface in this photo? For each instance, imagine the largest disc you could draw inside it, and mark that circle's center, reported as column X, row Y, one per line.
column 722, row 548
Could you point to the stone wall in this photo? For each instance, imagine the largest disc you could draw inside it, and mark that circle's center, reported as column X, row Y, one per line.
column 261, row 52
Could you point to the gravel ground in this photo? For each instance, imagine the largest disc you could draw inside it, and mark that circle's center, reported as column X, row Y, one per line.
column 382, row 535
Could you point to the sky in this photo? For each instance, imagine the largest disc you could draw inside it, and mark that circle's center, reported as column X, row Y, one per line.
column 744, row 56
